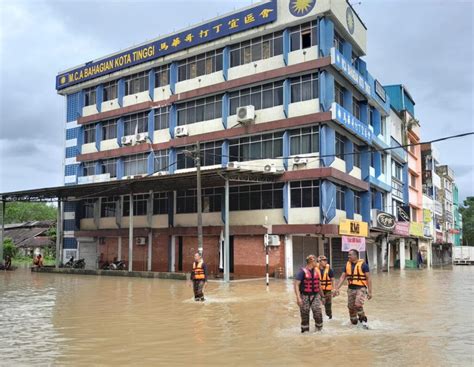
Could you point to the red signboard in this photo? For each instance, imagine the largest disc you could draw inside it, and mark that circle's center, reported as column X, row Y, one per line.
column 402, row 228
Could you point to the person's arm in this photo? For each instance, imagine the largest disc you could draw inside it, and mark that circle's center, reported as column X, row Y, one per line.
column 338, row 285
column 321, row 294
column 296, row 286
column 204, row 268
column 369, row 285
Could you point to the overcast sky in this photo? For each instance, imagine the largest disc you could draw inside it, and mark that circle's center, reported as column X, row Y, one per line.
column 425, row 45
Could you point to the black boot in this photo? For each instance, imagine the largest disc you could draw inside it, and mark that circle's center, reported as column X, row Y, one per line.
column 304, row 329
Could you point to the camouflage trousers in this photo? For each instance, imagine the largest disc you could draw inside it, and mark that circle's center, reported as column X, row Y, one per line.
column 328, row 303
column 198, row 286
column 355, row 303
column 311, row 303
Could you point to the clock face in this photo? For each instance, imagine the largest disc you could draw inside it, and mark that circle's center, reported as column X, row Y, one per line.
column 350, row 20
column 300, row 8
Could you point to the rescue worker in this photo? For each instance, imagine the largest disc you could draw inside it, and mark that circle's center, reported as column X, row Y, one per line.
column 358, row 277
column 199, row 277
column 309, row 294
column 326, row 276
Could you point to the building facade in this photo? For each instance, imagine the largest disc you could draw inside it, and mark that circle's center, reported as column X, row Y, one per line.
column 280, row 86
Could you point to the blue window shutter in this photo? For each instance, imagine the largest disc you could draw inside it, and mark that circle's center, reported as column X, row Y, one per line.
column 286, row 149
column 151, row 163
column 349, row 203
column 225, row 153
column 98, row 168
column 99, row 93
column 173, row 76
column 120, row 168
column 328, row 201
column 225, row 61
column 151, row 125
column 172, row 160
column 286, row 45
column 151, row 84
column 326, row 36
column 365, row 203
column 120, row 131
column 286, row 96
column 286, row 202
column 326, row 90
column 173, row 116
column 225, row 109
column 327, row 145
column 121, row 91
column 98, row 135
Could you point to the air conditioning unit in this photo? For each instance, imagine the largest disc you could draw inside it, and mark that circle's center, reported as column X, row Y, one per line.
column 140, row 241
column 246, row 114
column 270, row 168
column 141, row 137
column 272, row 240
column 233, row 165
column 181, row 131
column 127, row 140
column 299, row 160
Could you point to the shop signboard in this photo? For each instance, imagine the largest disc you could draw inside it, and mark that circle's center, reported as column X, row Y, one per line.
column 353, row 243
column 353, row 228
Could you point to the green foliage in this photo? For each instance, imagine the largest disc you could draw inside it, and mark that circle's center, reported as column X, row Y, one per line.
column 9, row 248
column 467, row 212
column 23, row 212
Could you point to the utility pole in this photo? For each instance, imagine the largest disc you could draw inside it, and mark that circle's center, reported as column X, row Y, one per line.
column 199, row 196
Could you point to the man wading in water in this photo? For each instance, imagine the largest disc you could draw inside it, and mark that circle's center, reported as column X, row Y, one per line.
column 309, row 294
column 360, row 287
column 199, row 277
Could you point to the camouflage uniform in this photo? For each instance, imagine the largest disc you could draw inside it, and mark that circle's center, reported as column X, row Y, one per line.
column 311, row 302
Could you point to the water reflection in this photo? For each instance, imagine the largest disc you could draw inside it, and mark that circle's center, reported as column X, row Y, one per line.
column 416, row 318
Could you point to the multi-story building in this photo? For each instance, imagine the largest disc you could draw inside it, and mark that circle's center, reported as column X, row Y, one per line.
column 278, row 87
column 446, row 197
column 457, row 230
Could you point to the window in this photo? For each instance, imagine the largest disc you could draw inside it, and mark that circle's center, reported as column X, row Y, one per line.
column 413, row 214
column 88, row 208
column 110, row 91
column 340, row 198
column 256, row 49
column 372, row 159
column 339, row 94
column 186, row 201
column 356, row 156
column 211, row 154
column 203, row 109
column 357, row 209
column 412, row 147
column 382, row 197
column 109, row 166
column 339, row 42
column 89, row 97
column 255, row 197
column 304, row 88
column 162, row 120
column 89, row 134
column 89, row 169
column 373, row 197
column 304, row 36
column 382, row 125
column 304, row 140
column 340, row 146
column 412, row 180
column 384, row 163
column 108, row 206
column 257, row 147
column 203, row 64
column 356, row 108
column 136, row 83
column 139, row 205
column 397, row 170
column 136, row 123
column 162, row 76
column 160, row 203
column 135, row 165
column 304, row 194
column 109, row 130
column 371, row 116
column 161, row 161
column 262, row 96
column 212, row 199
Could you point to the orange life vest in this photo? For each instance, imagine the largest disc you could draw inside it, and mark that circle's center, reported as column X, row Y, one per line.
column 198, row 271
column 310, row 282
column 356, row 277
column 326, row 283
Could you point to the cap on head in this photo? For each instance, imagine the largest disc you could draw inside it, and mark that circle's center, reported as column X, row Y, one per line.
column 322, row 258
column 310, row 259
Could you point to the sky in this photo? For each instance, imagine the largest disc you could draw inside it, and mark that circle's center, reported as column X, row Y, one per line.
column 427, row 45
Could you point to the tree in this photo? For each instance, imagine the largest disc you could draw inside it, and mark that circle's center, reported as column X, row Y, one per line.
column 467, row 212
column 18, row 212
column 9, row 248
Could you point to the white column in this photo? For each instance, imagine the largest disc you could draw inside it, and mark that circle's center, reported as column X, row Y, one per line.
column 150, row 244
column 429, row 254
column 384, row 254
column 130, row 235
column 402, row 253
column 374, row 255
column 119, row 249
column 173, row 254
column 288, row 256
column 226, row 233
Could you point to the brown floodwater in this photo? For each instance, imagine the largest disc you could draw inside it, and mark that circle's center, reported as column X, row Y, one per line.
column 417, row 318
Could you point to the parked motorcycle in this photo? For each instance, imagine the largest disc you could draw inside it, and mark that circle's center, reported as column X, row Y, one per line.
column 79, row 264
column 118, row 265
column 69, row 263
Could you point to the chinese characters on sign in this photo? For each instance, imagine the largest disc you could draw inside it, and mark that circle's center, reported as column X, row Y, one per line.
column 345, row 118
column 237, row 22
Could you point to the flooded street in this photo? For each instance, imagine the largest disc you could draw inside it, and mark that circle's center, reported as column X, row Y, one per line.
column 416, row 318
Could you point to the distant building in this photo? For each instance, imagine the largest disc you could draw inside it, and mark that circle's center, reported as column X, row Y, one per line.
column 31, row 237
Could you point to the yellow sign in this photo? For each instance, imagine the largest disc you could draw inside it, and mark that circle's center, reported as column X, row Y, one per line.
column 427, row 216
column 353, row 228
column 416, row 229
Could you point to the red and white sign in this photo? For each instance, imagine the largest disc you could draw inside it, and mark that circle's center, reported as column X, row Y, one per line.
column 353, row 243
column 402, row 228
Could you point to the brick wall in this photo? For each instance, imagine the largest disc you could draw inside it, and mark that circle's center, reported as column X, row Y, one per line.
column 160, row 252
column 210, row 253
column 249, row 256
